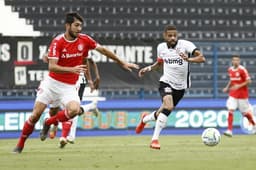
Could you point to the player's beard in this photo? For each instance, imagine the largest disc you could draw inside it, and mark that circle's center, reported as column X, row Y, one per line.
column 172, row 43
column 72, row 34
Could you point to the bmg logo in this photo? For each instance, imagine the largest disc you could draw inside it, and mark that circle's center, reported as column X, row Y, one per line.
column 178, row 61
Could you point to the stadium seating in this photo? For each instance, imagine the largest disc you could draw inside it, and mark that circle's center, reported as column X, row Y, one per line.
column 207, row 22
column 221, row 21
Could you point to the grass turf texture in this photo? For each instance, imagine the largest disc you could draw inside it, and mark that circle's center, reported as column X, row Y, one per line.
column 131, row 153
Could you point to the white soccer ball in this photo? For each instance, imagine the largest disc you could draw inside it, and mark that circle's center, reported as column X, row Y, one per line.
column 211, row 137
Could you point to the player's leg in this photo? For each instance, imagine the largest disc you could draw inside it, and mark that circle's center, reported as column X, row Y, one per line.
column 71, row 102
column 162, row 120
column 53, row 129
column 29, row 126
column 42, row 99
column 72, row 134
column 66, row 126
column 246, row 109
column 145, row 118
column 170, row 98
column 231, row 105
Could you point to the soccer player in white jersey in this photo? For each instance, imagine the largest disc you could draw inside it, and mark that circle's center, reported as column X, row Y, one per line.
column 174, row 55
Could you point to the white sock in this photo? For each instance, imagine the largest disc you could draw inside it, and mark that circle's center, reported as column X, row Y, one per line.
column 160, row 124
column 150, row 117
column 72, row 133
column 89, row 106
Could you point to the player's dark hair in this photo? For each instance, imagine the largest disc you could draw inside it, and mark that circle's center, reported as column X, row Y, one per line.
column 70, row 17
column 169, row 27
column 235, row 56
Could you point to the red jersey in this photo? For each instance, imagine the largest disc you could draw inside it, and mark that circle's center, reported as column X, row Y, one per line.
column 69, row 54
column 238, row 76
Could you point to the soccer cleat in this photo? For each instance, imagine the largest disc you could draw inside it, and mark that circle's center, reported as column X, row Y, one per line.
column 44, row 131
column 254, row 129
column 155, row 144
column 228, row 133
column 53, row 131
column 141, row 125
column 81, row 111
column 17, row 149
column 95, row 112
column 63, row 142
column 70, row 140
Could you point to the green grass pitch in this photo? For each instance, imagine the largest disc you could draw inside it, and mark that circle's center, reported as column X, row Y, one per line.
column 131, row 153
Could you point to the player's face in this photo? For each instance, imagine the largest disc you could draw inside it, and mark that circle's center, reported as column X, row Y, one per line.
column 235, row 61
column 170, row 36
column 75, row 28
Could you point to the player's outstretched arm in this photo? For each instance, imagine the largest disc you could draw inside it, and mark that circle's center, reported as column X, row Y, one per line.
column 96, row 81
column 149, row 68
column 109, row 54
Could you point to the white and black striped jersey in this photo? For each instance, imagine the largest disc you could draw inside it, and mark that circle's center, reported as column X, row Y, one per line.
column 175, row 69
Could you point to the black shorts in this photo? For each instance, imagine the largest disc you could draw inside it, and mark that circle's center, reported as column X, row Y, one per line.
column 166, row 89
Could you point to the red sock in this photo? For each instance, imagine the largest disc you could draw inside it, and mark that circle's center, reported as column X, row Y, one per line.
column 26, row 131
column 230, row 121
column 61, row 116
column 66, row 128
column 250, row 118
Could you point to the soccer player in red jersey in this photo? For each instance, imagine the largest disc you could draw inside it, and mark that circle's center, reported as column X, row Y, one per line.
column 238, row 94
column 66, row 54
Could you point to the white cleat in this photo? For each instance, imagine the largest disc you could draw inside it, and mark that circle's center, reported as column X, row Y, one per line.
column 254, row 129
column 70, row 140
column 63, row 142
column 228, row 133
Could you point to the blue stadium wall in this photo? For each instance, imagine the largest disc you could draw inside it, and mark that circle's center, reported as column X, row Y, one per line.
column 120, row 117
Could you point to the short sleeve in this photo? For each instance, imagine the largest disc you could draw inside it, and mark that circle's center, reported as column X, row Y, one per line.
column 159, row 52
column 190, row 47
column 92, row 44
column 54, row 49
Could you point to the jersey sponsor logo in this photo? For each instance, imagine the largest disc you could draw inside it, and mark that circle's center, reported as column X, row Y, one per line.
column 178, row 61
column 64, row 50
column 235, row 78
column 71, row 55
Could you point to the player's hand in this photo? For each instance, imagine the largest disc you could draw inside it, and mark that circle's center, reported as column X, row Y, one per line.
column 235, row 87
column 183, row 56
column 130, row 66
column 91, row 85
column 144, row 70
column 225, row 90
column 96, row 83
column 45, row 58
column 79, row 69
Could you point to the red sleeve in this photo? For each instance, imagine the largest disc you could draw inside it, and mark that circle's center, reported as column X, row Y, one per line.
column 92, row 43
column 245, row 74
column 160, row 60
column 54, row 49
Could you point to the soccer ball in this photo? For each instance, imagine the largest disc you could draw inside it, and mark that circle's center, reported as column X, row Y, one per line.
column 211, row 137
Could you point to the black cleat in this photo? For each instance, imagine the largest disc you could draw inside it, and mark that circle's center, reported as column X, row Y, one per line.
column 17, row 150
column 44, row 131
column 81, row 111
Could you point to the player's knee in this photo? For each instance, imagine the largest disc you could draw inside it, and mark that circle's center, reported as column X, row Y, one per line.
column 73, row 110
column 166, row 111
